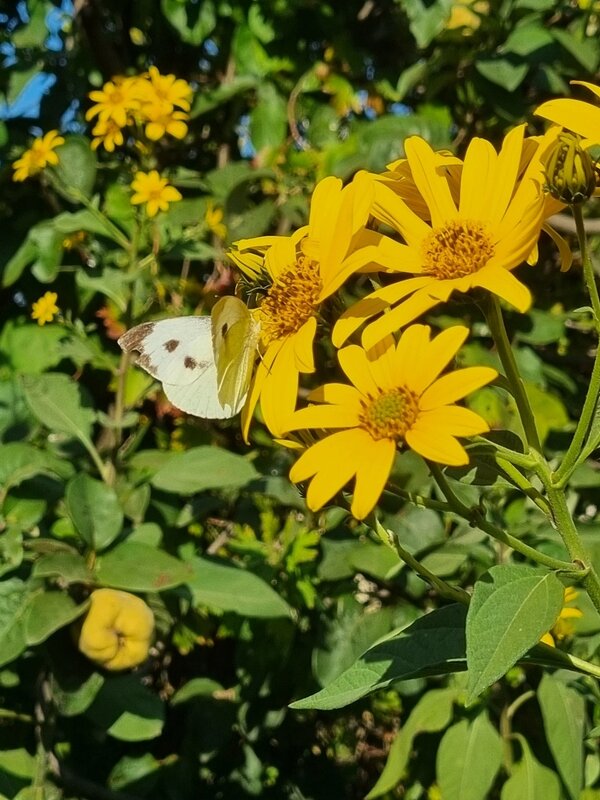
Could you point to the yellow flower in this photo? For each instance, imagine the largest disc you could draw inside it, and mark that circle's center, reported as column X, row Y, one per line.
column 214, row 220
column 117, row 629
column 116, row 101
column 466, row 14
column 40, row 155
column 563, row 627
column 45, row 309
column 397, row 401
column 575, row 115
column 169, row 90
column 469, row 242
column 291, row 276
column 153, row 190
column 161, row 121
column 106, row 132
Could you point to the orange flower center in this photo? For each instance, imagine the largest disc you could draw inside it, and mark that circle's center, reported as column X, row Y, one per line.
column 291, row 300
column 461, row 247
column 391, row 414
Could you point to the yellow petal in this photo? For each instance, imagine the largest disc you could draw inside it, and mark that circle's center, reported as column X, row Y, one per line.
column 324, row 203
column 303, row 346
column 324, row 417
column 433, row 186
column 477, row 180
column 503, row 283
column 454, row 420
column 280, row 390
column 399, row 316
column 436, row 445
column 393, row 211
column 338, row 394
column 576, row 115
column 427, row 361
column 375, row 462
column 455, row 385
column 354, row 362
column 326, row 454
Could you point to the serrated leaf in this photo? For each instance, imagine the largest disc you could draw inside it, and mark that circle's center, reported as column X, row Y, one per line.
column 203, row 468
column 563, row 712
column 433, row 645
column 468, row 758
column 138, row 567
column 229, row 588
column 511, row 609
column 530, row 779
column 432, row 713
column 95, row 511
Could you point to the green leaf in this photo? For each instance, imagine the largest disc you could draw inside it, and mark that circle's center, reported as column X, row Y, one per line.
column 503, row 72
column 112, row 283
column 468, row 758
column 95, row 511
column 203, row 468
column 426, row 21
column 511, row 609
column 229, row 588
column 75, row 173
column 212, row 98
column 48, row 612
column 30, row 349
column 526, row 39
column 268, row 120
column 56, row 400
column 20, row 462
column 563, row 712
column 15, row 596
column 74, row 692
column 194, row 22
column 584, row 51
column 138, row 567
column 433, row 645
column 530, row 779
column 196, row 687
column 69, row 567
column 432, row 713
column 127, row 710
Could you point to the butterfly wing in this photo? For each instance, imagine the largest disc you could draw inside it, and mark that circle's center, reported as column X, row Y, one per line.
column 235, row 335
column 179, row 353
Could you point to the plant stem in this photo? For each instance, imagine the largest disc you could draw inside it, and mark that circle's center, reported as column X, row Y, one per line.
column 498, row 329
column 524, row 485
column 570, row 536
column 477, row 519
column 454, row 593
column 570, row 461
column 115, row 232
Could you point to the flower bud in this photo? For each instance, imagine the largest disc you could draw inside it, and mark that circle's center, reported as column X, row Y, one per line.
column 570, row 170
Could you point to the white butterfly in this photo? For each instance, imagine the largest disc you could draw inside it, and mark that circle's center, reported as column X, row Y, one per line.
column 205, row 364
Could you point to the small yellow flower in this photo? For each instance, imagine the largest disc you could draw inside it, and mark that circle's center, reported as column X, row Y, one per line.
column 117, row 100
column 466, row 14
column 45, row 309
column 107, row 133
column 396, row 399
column 563, row 627
column 161, row 121
column 153, row 190
column 170, row 90
column 40, row 155
column 214, row 220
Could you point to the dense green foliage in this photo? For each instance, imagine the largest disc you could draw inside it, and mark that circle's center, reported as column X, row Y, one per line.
column 258, row 603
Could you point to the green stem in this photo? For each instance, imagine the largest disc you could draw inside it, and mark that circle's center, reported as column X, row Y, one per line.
column 115, row 232
column 559, row 658
column 454, row 593
column 524, row 485
column 519, row 459
column 498, row 329
column 477, row 519
column 570, row 536
column 570, row 461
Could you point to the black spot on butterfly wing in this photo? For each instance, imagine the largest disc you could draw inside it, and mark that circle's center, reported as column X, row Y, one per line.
column 190, row 363
column 171, row 345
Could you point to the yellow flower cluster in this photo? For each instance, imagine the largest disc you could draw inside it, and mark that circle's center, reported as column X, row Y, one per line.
column 45, row 309
column 40, row 155
column 156, row 104
column 433, row 225
column 153, row 190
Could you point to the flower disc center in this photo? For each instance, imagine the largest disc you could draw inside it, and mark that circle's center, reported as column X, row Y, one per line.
column 461, row 247
column 391, row 414
column 291, row 300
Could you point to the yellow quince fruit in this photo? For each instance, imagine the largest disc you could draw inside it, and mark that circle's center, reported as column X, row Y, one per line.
column 117, row 629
